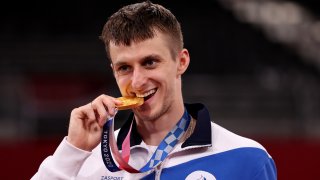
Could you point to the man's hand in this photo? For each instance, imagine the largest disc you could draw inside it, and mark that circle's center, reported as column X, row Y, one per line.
column 86, row 122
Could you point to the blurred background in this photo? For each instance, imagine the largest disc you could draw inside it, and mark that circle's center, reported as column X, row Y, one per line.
column 254, row 63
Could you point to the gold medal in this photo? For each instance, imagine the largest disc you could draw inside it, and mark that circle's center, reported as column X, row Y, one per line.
column 129, row 102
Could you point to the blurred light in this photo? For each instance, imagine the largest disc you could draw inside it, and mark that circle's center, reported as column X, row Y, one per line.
column 282, row 21
column 315, row 31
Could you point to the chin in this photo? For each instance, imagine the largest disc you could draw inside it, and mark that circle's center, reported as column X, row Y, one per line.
column 145, row 113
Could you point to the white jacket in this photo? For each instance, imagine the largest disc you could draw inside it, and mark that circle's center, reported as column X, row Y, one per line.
column 211, row 152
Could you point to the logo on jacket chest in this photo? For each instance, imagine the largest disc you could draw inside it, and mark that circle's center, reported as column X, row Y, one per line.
column 200, row 175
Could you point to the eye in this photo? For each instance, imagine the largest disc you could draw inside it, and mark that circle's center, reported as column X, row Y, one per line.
column 123, row 70
column 150, row 63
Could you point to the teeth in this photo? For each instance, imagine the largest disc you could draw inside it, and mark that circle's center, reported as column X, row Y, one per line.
column 146, row 94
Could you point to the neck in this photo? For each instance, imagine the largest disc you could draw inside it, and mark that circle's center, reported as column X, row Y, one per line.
column 153, row 132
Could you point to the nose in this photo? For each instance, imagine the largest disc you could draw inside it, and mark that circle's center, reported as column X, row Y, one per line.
column 138, row 79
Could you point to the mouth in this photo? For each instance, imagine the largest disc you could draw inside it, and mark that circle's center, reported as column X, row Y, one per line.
column 147, row 95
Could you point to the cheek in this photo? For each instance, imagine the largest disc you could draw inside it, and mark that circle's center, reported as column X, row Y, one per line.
column 167, row 76
column 122, row 84
column 167, row 80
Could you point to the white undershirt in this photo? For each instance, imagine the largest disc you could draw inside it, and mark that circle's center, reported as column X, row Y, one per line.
column 139, row 156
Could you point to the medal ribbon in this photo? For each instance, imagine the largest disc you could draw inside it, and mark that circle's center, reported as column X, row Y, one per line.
column 165, row 147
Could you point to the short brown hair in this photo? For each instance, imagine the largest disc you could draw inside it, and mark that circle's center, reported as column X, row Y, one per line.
column 138, row 22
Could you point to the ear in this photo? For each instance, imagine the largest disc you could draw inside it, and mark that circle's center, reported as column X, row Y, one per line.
column 183, row 61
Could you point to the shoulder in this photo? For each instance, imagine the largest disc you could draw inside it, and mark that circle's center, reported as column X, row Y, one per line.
column 248, row 155
column 224, row 140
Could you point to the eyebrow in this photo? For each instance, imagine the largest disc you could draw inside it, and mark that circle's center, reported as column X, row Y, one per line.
column 119, row 63
column 152, row 56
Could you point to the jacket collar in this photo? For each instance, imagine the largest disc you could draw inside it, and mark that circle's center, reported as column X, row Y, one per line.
column 200, row 136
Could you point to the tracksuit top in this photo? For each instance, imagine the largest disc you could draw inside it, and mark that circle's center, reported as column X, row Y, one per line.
column 211, row 152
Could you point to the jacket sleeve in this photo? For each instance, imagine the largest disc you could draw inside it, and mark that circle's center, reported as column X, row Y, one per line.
column 268, row 171
column 65, row 163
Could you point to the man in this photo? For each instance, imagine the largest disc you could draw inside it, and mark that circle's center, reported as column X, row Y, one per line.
column 164, row 138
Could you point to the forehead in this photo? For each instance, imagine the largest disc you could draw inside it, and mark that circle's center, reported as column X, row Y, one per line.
column 156, row 46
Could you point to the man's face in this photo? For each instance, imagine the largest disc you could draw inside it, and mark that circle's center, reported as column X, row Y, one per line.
column 147, row 69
